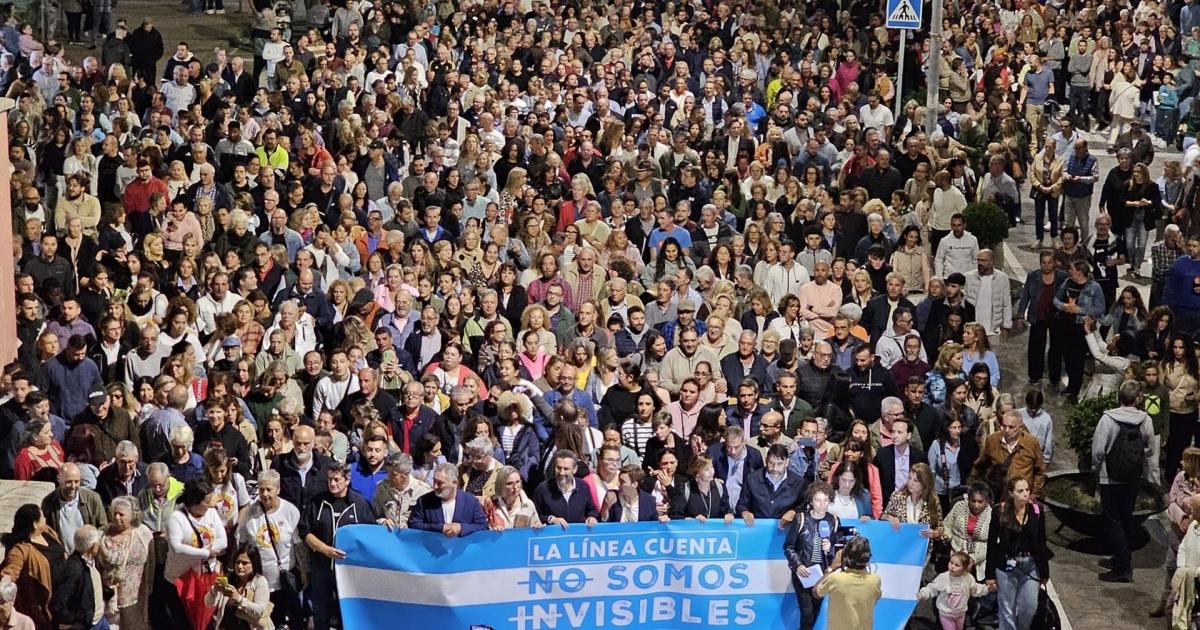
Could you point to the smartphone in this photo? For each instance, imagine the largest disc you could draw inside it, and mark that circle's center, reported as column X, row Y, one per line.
column 222, row 581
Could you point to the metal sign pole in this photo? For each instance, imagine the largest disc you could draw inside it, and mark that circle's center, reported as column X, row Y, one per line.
column 900, row 71
column 933, row 78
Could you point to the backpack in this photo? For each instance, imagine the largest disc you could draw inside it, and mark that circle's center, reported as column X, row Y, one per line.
column 1126, row 458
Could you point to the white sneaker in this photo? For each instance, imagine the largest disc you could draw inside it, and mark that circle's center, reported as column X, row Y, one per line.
column 220, row 11
column 208, row 11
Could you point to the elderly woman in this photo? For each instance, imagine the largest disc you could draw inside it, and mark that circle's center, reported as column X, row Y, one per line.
column 479, row 476
column 509, row 507
column 127, row 557
column 272, row 523
column 184, row 464
column 398, row 492
column 9, row 616
column 196, row 539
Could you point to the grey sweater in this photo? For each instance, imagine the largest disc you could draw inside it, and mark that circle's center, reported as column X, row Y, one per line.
column 1079, row 70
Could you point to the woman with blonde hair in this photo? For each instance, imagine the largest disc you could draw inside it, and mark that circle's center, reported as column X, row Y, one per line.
column 977, row 349
column 861, row 289
column 508, row 507
column 513, row 191
column 536, row 319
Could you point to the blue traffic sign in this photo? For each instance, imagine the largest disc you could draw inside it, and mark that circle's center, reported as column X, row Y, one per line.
column 904, row 14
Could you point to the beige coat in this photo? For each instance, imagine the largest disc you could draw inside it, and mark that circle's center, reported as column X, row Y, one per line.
column 1038, row 175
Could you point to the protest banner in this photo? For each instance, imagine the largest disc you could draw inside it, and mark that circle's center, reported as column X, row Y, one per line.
column 644, row 575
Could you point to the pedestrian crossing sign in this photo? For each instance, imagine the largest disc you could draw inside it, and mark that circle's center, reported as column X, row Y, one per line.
column 904, row 14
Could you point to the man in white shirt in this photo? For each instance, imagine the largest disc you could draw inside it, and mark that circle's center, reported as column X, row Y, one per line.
column 957, row 250
column 876, row 115
column 988, row 290
column 332, row 389
column 890, row 348
column 786, row 276
column 218, row 301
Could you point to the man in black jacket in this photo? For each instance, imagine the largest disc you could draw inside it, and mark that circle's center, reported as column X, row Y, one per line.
column 301, row 472
column 75, row 605
column 336, row 507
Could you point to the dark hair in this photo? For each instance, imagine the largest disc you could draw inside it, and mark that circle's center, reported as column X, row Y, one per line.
column 24, row 522
column 250, row 550
column 707, row 422
column 194, row 493
column 857, row 554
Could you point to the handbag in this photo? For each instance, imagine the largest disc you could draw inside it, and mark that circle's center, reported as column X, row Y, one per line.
column 289, row 581
column 1046, row 617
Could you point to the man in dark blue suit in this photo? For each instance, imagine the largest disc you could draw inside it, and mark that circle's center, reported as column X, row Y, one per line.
column 772, row 493
column 564, row 499
column 733, row 455
column 630, row 504
column 895, row 460
column 429, row 513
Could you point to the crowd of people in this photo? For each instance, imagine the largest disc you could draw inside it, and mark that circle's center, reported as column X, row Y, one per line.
column 477, row 266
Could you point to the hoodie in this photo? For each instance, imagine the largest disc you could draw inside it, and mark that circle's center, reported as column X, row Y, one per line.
column 1107, row 432
column 1179, row 292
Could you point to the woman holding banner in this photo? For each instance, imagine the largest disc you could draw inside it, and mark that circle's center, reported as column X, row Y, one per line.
column 809, row 549
column 509, row 507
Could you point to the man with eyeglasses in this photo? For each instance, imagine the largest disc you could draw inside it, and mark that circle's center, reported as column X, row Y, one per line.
column 771, row 433
column 415, row 418
column 812, row 376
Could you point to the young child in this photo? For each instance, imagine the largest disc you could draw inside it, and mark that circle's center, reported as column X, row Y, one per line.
column 953, row 590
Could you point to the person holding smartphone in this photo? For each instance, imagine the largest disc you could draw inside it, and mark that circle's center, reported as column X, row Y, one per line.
column 241, row 597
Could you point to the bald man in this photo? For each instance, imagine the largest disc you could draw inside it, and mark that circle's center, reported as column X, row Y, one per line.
column 71, row 506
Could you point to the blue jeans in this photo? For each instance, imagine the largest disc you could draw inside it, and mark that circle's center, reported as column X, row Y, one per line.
column 1135, row 243
column 1017, row 595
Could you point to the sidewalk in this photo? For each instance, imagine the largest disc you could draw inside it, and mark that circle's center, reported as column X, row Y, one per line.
column 202, row 32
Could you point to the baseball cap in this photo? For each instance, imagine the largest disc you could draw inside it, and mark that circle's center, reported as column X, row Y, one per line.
column 686, row 305
column 231, row 342
column 97, row 397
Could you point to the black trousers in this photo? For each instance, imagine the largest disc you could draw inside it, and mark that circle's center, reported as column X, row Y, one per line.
column 1043, row 353
column 1067, row 342
column 935, row 237
column 1181, row 432
column 810, row 605
column 1116, row 506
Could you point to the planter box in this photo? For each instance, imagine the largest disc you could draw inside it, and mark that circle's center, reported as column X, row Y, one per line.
column 1085, row 519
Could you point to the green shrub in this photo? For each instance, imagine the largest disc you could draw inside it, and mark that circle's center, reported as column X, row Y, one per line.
column 1081, row 425
column 987, row 222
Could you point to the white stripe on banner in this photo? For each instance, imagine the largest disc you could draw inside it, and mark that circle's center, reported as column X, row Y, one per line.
column 587, row 581
column 582, row 581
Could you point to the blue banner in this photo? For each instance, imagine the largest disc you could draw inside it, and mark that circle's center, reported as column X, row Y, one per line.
column 643, row 575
